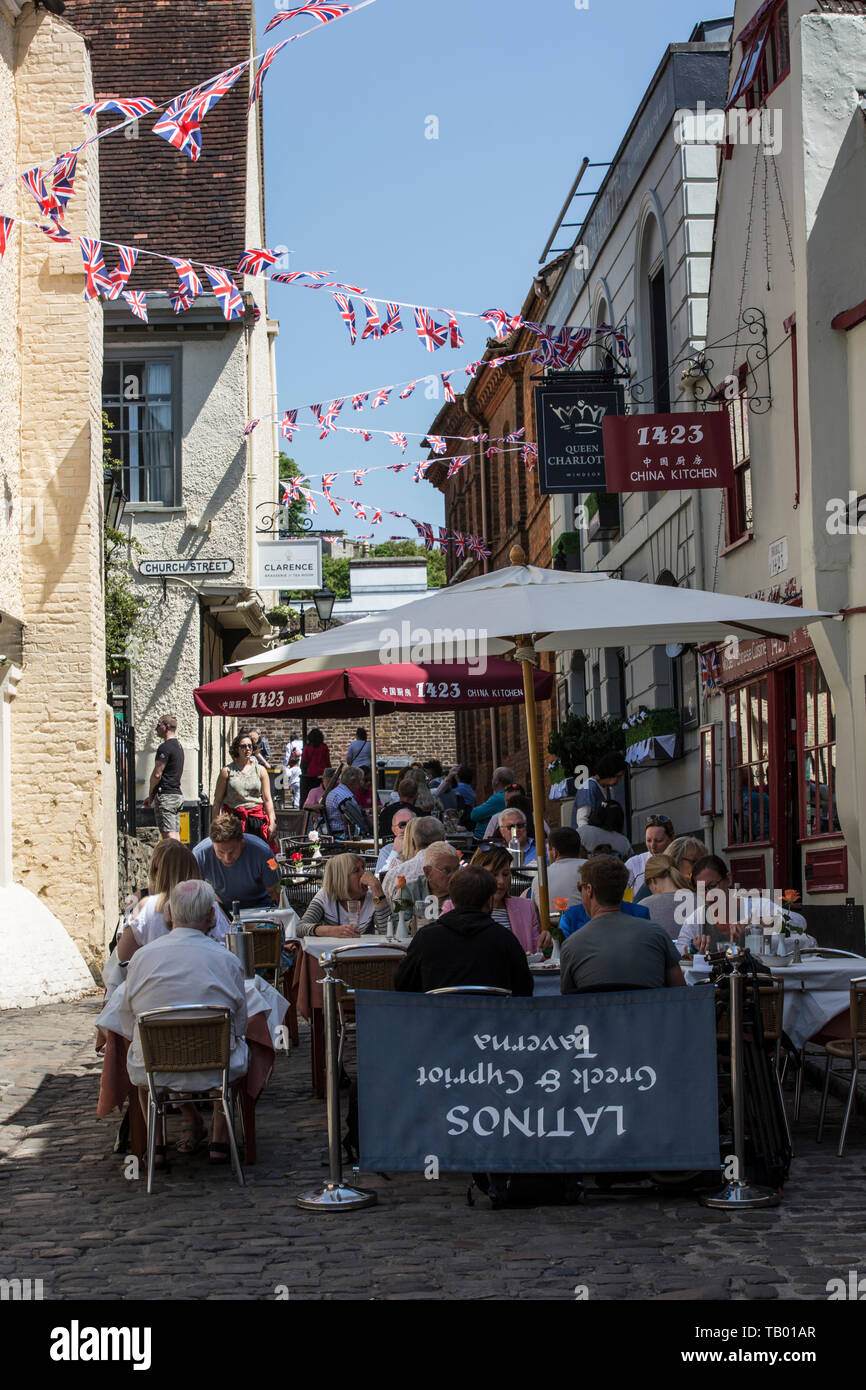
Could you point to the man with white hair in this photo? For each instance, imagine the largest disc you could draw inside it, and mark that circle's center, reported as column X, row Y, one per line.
column 426, row 831
column 187, row 967
column 343, row 814
column 441, row 862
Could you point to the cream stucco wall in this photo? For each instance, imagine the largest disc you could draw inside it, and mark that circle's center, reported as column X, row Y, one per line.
column 64, row 849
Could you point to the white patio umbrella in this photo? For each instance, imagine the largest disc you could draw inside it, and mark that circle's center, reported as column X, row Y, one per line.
column 523, row 610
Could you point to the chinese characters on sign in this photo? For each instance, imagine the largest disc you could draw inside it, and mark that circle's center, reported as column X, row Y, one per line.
column 655, row 453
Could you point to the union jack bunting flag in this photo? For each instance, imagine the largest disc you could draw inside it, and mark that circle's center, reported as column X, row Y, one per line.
column 347, row 314
column 119, row 277
column 250, row 427
column 187, row 277
column 317, row 413
column 365, row 435
column 392, row 322
column 376, row 518
column 253, row 262
column 444, row 538
column 425, row 531
column 268, row 58
column 399, row 516
column 180, row 130
column 420, row 469
column 432, row 335
column 34, row 182
column 96, row 280
column 473, row 368
column 558, row 347
column 492, row 451
column 198, row 101
column 373, row 326
column 529, row 454
column 456, row 337
column 455, row 464
column 226, row 292
column 400, row 440
column 323, row 13
column 515, row 435
column 328, row 421
column 359, row 475
column 328, row 480
column 397, row 467
column 459, row 544
column 125, row 106
column 479, row 438
column 359, row 401
column 437, row 443
column 289, row 424
column 360, row 511
column 288, row 277
column 448, row 388
column 308, row 498
column 332, row 504
column 6, row 225
column 54, row 231
column 180, row 299
column 502, row 323
column 63, row 180
column 381, row 397
column 137, row 301
column 405, row 394
column 337, row 285
column 478, row 547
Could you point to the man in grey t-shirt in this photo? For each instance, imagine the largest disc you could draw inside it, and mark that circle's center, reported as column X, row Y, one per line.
column 614, row 951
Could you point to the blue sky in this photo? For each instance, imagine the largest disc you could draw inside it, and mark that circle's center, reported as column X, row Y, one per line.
column 353, row 185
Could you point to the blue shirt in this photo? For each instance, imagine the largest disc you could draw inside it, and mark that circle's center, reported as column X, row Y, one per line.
column 480, row 815
column 247, row 880
column 592, row 795
column 578, row 916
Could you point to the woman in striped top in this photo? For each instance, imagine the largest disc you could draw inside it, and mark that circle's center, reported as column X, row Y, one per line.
column 518, row 915
column 349, row 902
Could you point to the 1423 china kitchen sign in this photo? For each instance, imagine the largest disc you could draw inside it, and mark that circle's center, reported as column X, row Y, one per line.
column 657, row 453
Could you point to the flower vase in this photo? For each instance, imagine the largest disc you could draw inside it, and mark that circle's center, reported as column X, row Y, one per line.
column 554, row 955
column 317, row 853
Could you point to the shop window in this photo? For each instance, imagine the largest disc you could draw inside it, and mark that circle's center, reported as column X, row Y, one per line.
column 766, row 57
column 141, row 397
column 817, row 724
column 739, row 518
column 749, row 791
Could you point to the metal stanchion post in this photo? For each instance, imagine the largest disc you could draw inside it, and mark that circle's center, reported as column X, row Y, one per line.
column 333, row 1195
column 737, row 1192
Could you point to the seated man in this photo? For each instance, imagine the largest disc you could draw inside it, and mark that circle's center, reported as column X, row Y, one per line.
column 426, row 831
column 390, row 853
column 514, row 819
column 344, row 816
column 615, row 950
column 466, row 946
column 565, row 861
column 720, row 914
column 240, row 868
column 441, row 862
column 187, row 967
column 407, row 793
column 578, row 916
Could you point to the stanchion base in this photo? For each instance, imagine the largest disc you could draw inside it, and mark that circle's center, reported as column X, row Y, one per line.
column 740, row 1196
column 336, row 1196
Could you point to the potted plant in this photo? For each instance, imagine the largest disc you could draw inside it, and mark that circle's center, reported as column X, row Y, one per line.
column 580, row 742
column 567, row 554
column 602, row 515
column 653, row 736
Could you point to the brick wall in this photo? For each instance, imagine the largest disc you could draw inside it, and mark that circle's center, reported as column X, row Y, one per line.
column 403, row 734
column 158, row 48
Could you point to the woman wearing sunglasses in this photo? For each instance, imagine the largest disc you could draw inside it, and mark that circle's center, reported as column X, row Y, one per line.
column 244, row 787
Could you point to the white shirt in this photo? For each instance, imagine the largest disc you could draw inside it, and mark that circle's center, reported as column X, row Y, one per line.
column 411, row 868
column 184, row 967
column 387, row 856
column 148, row 924
column 562, row 878
column 636, row 866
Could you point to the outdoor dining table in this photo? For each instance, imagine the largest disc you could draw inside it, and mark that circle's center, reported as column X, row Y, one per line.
column 266, row 1010
column 817, row 995
column 307, row 990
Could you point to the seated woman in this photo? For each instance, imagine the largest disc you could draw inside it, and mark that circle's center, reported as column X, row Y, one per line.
column 670, row 899
column 170, row 864
column 244, row 787
column 684, row 853
column 349, row 902
column 317, row 794
column 517, row 914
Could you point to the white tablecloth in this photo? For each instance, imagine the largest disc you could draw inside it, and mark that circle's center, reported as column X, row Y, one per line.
column 261, row 998
column 318, row 945
column 815, row 991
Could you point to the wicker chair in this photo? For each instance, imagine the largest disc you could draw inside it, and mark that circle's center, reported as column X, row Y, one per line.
column 300, row 895
column 359, row 968
column 849, row 1050
column 472, row 989
column 185, row 1038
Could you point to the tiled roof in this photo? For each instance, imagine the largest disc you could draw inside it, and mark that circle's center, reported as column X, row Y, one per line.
column 152, row 195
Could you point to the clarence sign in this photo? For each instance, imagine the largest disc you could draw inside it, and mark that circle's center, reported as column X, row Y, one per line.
column 657, row 453
column 580, row 1083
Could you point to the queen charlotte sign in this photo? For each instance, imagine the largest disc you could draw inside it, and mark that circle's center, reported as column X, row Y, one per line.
column 569, row 418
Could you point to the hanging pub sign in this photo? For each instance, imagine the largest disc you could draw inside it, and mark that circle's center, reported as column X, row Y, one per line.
column 657, row 453
column 569, row 417
column 289, row 564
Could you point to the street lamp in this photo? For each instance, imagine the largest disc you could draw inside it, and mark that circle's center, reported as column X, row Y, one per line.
column 114, row 498
column 324, row 599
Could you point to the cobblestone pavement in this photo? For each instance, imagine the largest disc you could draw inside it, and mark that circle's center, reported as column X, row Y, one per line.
column 68, row 1216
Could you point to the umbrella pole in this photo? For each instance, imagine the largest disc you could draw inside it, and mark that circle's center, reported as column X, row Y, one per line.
column 374, row 775
column 525, row 652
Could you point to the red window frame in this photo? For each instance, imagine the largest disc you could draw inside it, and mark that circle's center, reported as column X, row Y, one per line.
column 747, row 762
column 816, row 723
column 766, row 57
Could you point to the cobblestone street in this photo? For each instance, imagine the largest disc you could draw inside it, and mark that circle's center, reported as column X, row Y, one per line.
column 68, row 1217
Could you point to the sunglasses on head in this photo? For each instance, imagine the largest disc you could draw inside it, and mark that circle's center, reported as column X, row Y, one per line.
column 657, row 820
